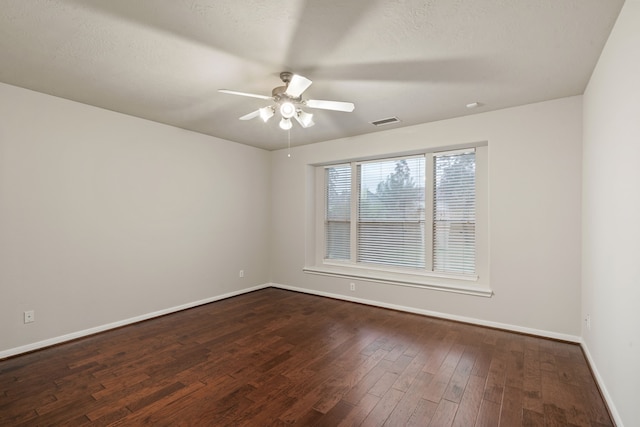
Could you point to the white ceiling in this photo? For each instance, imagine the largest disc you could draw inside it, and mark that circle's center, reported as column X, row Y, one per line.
column 421, row 61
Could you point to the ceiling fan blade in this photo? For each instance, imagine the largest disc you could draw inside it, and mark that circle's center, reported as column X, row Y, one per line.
column 347, row 107
column 252, row 95
column 297, row 85
column 251, row 115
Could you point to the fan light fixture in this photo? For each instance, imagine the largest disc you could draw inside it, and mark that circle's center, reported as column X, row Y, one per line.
column 287, row 109
column 305, row 119
column 285, row 124
column 266, row 113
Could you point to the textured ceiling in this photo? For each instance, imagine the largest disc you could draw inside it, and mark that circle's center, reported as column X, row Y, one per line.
column 421, row 61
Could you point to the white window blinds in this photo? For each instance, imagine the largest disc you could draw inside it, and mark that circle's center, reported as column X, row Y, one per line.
column 390, row 220
column 415, row 212
column 454, row 216
column 338, row 212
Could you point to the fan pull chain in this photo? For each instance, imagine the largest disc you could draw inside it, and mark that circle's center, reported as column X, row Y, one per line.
column 289, row 143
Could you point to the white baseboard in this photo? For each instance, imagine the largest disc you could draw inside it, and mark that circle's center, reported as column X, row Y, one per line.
column 91, row 331
column 79, row 334
column 480, row 322
column 603, row 389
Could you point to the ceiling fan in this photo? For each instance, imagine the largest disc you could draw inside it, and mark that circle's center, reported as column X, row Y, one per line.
column 288, row 102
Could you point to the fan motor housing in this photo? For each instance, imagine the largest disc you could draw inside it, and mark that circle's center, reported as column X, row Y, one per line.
column 279, row 95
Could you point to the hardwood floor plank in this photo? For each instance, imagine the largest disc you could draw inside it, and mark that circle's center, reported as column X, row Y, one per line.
column 458, row 382
column 422, row 416
column 265, row 412
column 338, row 387
column 410, row 373
column 438, row 385
column 360, row 411
column 63, row 411
column 109, row 418
column 311, row 418
column 155, row 396
column 409, row 403
column 496, row 377
column 119, row 382
column 383, row 409
column 515, row 369
column 439, row 353
column 364, row 385
column 383, row 385
column 483, row 361
column 470, row 402
column 335, row 415
column 489, row 415
column 307, row 399
column 511, row 410
column 333, row 391
column 532, row 418
column 275, row 357
column 444, row 415
column 532, row 382
column 455, row 388
column 396, row 352
column 554, row 416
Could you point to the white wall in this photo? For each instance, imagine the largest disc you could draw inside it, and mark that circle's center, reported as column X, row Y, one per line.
column 106, row 217
column 534, row 209
column 611, row 216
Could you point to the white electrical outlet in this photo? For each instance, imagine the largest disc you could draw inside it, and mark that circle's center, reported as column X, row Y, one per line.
column 588, row 321
column 241, row 273
column 352, row 286
column 29, row 316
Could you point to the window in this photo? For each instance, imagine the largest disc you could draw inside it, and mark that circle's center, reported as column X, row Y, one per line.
column 390, row 219
column 338, row 212
column 454, row 213
column 415, row 213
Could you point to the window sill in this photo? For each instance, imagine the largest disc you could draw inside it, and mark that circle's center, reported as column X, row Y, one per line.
column 433, row 282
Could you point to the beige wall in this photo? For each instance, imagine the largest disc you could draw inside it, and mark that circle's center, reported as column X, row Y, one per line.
column 534, row 217
column 106, row 217
column 611, row 217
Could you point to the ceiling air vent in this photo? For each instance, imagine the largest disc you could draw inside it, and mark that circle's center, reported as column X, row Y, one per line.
column 386, row 121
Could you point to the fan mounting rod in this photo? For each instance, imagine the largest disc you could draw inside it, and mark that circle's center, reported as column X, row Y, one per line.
column 285, row 76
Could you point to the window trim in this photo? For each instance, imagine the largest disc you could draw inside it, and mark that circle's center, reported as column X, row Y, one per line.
column 425, row 281
column 476, row 284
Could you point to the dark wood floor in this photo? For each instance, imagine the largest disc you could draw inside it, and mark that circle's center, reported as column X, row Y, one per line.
column 274, row 357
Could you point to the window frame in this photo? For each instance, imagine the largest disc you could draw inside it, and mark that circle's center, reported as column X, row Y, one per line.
column 476, row 284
